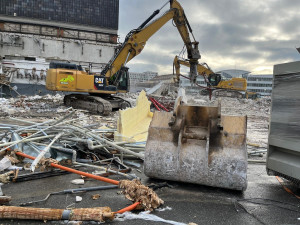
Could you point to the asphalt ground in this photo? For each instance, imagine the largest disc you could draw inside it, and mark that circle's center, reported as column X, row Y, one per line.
column 264, row 202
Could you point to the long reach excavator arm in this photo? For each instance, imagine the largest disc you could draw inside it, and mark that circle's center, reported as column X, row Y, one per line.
column 136, row 40
column 202, row 69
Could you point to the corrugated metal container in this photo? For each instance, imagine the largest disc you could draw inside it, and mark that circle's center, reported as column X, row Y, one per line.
column 283, row 156
column 100, row 13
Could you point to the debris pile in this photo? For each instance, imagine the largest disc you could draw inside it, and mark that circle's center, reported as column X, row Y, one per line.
column 41, row 138
column 135, row 191
column 32, row 105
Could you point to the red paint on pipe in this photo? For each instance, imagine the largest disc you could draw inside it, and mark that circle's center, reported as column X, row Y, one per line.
column 151, row 99
column 104, row 179
column 160, row 105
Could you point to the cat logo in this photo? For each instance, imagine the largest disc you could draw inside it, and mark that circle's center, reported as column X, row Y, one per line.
column 67, row 80
column 99, row 80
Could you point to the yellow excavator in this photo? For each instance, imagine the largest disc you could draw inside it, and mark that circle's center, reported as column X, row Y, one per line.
column 235, row 87
column 100, row 89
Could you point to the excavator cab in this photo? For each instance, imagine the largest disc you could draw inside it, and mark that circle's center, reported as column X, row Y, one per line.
column 214, row 79
column 121, row 79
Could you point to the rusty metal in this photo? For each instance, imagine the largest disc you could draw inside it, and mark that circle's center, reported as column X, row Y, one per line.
column 198, row 145
column 89, row 214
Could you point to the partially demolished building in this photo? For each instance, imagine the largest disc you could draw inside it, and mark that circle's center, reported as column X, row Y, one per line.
column 33, row 33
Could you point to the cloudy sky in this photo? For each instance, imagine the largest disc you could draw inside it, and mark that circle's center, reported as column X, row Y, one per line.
column 232, row 34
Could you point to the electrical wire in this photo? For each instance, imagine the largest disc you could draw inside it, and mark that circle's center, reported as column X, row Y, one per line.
column 252, row 200
column 245, row 210
column 286, row 188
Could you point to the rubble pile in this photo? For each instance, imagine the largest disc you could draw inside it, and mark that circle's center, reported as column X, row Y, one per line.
column 236, row 106
column 53, row 135
column 32, row 105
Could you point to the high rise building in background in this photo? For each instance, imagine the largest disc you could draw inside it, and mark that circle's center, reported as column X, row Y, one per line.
column 35, row 32
column 136, row 78
column 261, row 84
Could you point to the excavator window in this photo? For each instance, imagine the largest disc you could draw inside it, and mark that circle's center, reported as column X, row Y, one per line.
column 123, row 79
column 61, row 65
column 214, row 79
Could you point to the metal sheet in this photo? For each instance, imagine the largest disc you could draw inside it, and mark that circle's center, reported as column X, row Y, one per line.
column 283, row 156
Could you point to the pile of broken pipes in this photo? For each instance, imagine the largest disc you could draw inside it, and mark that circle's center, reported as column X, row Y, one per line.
column 64, row 143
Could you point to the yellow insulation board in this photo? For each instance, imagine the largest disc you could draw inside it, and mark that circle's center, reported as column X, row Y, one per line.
column 133, row 123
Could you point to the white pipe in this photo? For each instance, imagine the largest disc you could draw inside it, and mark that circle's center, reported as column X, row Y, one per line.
column 44, row 151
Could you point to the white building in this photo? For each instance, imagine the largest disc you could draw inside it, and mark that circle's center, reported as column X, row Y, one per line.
column 135, row 78
column 261, row 84
column 228, row 74
column 192, row 89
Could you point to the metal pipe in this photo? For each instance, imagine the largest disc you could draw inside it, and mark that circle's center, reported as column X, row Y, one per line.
column 62, row 149
column 105, row 169
column 71, row 191
column 23, row 141
column 255, row 152
column 34, row 125
column 44, row 151
column 37, row 133
column 104, row 179
column 89, row 133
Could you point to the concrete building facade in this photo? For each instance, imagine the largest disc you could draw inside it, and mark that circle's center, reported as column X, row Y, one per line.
column 228, row 74
column 136, row 78
column 192, row 89
column 261, row 84
column 78, row 31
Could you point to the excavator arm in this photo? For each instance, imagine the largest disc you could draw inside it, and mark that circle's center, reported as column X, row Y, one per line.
column 212, row 79
column 136, row 40
column 202, row 69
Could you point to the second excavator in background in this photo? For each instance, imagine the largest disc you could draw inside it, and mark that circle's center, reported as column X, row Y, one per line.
column 235, row 87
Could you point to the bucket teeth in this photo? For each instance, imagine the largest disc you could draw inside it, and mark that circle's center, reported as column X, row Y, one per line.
column 198, row 145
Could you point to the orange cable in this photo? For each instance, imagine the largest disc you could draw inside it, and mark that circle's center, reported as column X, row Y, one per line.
column 129, row 208
column 104, row 179
column 285, row 188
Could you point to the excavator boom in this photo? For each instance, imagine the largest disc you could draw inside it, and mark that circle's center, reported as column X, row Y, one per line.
column 136, row 39
column 114, row 77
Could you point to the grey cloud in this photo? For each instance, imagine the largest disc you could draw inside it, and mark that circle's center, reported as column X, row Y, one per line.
column 230, row 34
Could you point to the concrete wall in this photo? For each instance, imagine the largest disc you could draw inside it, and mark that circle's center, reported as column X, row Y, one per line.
column 56, row 48
column 82, row 33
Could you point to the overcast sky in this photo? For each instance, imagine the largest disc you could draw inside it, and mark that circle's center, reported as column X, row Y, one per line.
column 232, row 34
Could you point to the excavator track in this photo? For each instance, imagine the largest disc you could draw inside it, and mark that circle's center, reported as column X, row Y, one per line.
column 93, row 104
column 96, row 104
column 227, row 93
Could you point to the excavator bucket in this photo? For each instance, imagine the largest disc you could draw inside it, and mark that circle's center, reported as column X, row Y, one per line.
column 198, row 145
